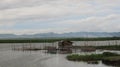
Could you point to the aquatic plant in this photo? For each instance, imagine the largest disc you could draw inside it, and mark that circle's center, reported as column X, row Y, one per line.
column 92, row 57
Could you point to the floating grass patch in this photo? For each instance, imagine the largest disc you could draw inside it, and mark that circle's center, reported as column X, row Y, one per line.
column 92, row 57
column 109, row 54
column 112, row 61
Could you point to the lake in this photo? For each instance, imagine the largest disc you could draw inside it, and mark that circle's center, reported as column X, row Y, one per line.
column 10, row 58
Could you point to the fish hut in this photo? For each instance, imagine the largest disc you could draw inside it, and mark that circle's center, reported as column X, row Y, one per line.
column 65, row 46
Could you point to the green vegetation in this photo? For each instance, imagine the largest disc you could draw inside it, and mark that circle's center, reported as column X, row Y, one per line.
column 109, row 54
column 77, row 57
column 112, row 61
column 107, row 58
column 37, row 40
column 105, row 47
column 114, row 58
column 27, row 40
column 109, row 47
column 92, row 57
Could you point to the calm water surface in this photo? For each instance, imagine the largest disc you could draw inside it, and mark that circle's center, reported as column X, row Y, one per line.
column 10, row 58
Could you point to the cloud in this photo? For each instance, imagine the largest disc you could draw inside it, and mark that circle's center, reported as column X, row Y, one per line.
column 52, row 9
column 107, row 23
column 8, row 24
column 71, row 15
column 44, row 12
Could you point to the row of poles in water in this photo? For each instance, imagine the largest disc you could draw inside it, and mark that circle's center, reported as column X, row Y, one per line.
column 55, row 44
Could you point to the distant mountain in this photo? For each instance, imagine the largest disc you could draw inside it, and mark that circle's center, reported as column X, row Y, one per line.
column 71, row 34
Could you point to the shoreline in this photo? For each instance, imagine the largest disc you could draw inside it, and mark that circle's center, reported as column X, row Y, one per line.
column 51, row 40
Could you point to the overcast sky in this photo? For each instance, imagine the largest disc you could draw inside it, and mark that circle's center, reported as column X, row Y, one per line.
column 59, row 16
